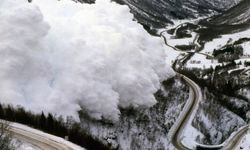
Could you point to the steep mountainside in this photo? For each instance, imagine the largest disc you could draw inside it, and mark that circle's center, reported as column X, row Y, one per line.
column 158, row 13
column 143, row 129
column 239, row 14
column 234, row 20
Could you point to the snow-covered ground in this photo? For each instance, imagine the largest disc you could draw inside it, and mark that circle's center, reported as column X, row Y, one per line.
column 144, row 128
column 224, row 39
column 22, row 145
column 245, row 142
column 190, row 135
column 200, row 61
column 172, row 55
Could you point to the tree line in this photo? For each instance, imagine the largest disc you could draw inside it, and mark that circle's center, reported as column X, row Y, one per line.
column 51, row 124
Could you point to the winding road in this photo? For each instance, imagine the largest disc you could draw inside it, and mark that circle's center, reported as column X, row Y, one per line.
column 40, row 140
column 187, row 114
column 189, row 111
column 188, row 52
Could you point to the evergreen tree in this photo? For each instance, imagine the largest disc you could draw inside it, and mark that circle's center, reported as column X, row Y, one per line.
column 2, row 115
column 42, row 121
column 50, row 123
column 9, row 113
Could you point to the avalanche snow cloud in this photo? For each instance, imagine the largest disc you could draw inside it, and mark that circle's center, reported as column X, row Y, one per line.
column 60, row 57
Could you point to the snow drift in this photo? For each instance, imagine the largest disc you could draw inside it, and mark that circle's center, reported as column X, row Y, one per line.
column 60, row 57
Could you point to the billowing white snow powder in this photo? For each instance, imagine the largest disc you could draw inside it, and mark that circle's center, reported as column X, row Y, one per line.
column 61, row 56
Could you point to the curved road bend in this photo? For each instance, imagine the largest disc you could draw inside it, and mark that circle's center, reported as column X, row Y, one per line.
column 39, row 139
column 195, row 97
column 236, row 139
column 188, row 110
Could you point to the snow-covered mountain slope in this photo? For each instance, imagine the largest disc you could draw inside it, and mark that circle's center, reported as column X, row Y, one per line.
column 158, row 13
column 143, row 129
column 239, row 14
column 233, row 20
column 215, row 120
